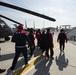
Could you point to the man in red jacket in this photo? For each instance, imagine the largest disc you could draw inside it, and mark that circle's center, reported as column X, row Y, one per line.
column 19, row 38
column 49, row 44
column 62, row 38
column 32, row 38
column 38, row 36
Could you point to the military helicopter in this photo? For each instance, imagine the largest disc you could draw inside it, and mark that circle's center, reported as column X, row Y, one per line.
column 6, row 30
column 4, row 25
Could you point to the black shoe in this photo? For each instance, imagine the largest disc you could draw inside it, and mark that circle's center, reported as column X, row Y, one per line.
column 11, row 68
column 2, row 70
column 31, row 54
column 52, row 58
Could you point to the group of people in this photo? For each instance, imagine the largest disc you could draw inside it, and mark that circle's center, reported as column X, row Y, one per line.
column 44, row 42
column 20, row 38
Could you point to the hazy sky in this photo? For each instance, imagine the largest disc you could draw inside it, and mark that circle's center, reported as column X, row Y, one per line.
column 64, row 11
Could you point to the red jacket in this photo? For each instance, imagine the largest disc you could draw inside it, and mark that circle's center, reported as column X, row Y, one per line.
column 38, row 35
column 49, row 39
column 20, row 38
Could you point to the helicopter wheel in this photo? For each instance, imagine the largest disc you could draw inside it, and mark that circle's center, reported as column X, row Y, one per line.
column 7, row 38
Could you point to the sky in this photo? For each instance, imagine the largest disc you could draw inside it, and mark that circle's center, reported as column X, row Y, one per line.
column 64, row 11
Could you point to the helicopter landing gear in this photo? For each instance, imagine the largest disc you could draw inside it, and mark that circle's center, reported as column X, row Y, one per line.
column 7, row 38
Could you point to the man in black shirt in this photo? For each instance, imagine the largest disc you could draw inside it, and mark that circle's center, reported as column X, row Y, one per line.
column 19, row 38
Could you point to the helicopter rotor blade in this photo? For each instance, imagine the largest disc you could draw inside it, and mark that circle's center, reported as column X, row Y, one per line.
column 9, row 19
column 27, row 11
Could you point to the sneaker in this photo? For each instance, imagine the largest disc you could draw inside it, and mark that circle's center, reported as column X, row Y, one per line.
column 2, row 70
column 47, row 58
column 60, row 51
column 26, row 65
column 38, row 47
column 63, row 51
column 52, row 58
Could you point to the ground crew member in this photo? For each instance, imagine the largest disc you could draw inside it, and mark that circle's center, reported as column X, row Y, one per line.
column 32, row 38
column 38, row 36
column 49, row 44
column 43, row 41
column 61, row 39
column 20, row 38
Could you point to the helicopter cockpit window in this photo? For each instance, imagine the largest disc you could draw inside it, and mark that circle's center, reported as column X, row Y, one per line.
column 2, row 25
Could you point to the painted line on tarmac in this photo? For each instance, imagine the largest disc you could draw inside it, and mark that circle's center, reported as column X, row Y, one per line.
column 34, row 62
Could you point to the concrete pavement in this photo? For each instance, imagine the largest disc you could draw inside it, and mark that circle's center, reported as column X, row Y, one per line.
column 62, row 63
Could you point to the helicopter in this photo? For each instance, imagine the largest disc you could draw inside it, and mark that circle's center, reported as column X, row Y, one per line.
column 6, row 30
column 3, row 25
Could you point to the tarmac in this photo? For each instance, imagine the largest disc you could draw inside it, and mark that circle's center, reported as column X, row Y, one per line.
column 63, row 63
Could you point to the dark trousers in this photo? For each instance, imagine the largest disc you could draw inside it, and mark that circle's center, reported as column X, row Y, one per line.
column 62, row 46
column 38, row 42
column 51, row 52
column 18, row 51
column 31, row 50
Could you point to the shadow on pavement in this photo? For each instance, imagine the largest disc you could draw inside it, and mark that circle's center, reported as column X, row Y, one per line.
column 20, row 62
column 61, row 61
column 8, row 56
column 43, row 68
